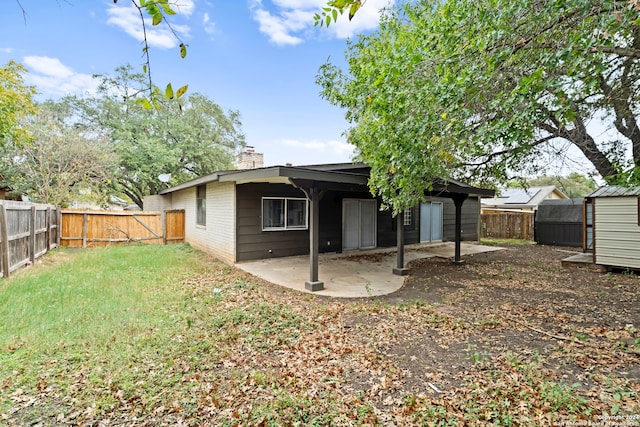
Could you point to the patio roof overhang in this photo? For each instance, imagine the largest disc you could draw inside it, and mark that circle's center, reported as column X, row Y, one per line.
column 315, row 180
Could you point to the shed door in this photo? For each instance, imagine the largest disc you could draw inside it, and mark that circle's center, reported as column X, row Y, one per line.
column 358, row 224
column 431, row 222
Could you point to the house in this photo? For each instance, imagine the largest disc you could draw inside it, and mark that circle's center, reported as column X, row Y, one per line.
column 612, row 226
column 520, row 199
column 281, row 211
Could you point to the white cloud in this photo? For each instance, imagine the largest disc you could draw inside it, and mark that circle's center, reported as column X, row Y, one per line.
column 208, row 25
column 6, row 49
column 52, row 78
column 127, row 18
column 288, row 22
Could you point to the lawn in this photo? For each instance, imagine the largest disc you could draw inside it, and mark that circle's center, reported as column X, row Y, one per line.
column 164, row 335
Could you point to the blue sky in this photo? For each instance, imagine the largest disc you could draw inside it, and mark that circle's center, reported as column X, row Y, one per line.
column 259, row 57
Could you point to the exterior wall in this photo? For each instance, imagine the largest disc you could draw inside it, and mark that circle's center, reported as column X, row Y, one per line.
column 156, row 203
column 218, row 236
column 616, row 231
column 470, row 218
column 253, row 243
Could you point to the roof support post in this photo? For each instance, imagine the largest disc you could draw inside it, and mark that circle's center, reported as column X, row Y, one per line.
column 399, row 270
column 314, row 284
column 458, row 200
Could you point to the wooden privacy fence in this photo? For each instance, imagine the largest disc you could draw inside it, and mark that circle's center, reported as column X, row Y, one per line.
column 82, row 228
column 27, row 231
column 508, row 225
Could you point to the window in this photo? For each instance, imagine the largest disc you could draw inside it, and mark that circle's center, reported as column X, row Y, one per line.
column 284, row 214
column 407, row 217
column 201, row 205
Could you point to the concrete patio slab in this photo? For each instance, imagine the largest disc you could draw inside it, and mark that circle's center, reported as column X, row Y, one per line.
column 352, row 274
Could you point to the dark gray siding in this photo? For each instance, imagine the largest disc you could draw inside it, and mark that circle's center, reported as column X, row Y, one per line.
column 470, row 217
column 559, row 222
column 253, row 243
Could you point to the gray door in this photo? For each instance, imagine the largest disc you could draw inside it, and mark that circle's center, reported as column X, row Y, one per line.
column 358, row 224
column 431, row 222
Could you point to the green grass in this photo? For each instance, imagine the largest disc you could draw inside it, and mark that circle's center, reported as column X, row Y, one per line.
column 91, row 319
column 102, row 296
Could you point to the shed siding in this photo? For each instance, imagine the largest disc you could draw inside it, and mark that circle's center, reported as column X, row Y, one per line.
column 217, row 237
column 617, row 232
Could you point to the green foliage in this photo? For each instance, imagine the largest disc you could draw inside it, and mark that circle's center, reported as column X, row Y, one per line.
column 186, row 137
column 61, row 164
column 16, row 104
column 477, row 90
column 334, row 8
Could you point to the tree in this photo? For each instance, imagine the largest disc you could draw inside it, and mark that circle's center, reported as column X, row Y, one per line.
column 16, row 103
column 60, row 164
column 476, row 90
column 186, row 137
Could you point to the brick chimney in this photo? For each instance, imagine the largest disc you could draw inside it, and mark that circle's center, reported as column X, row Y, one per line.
column 249, row 159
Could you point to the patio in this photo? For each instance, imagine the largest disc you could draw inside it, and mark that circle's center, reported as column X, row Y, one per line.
column 353, row 274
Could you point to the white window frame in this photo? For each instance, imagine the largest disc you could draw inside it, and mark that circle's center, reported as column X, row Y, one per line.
column 286, row 227
column 201, row 205
column 407, row 218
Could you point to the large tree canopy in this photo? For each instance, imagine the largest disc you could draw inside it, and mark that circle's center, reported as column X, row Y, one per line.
column 181, row 137
column 60, row 164
column 16, row 103
column 477, row 89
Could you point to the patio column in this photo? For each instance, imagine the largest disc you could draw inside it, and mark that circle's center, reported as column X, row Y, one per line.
column 399, row 270
column 458, row 199
column 314, row 230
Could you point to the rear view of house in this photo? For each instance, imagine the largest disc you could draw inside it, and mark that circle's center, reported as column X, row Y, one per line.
column 613, row 226
column 243, row 215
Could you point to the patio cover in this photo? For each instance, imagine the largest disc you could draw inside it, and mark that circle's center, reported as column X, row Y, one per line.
column 315, row 180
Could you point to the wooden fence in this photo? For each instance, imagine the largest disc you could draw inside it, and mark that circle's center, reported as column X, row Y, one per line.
column 27, row 232
column 84, row 229
column 508, row 225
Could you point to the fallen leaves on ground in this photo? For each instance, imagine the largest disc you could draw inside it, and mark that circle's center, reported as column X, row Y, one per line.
column 508, row 338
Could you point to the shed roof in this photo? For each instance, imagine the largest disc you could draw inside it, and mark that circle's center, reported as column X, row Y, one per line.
column 616, row 191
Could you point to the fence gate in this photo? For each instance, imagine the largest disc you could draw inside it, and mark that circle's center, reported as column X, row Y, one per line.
column 102, row 228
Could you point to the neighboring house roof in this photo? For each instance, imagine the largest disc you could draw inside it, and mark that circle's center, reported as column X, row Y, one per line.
column 524, row 198
column 615, row 191
column 338, row 173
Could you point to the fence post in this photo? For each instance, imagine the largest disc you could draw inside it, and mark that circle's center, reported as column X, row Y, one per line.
column 58, row 226
column 163, row 220
column 4, row 241
column 84, row 230
column 32, row 234
column 47, row 224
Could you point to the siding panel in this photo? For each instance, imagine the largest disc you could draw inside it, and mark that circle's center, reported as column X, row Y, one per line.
column 217, row 237
column 617, row 232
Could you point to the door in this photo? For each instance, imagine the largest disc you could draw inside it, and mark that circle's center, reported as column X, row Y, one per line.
column 431, row 222
column 358, row 224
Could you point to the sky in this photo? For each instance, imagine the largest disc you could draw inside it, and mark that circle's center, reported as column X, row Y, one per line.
column 258, row 57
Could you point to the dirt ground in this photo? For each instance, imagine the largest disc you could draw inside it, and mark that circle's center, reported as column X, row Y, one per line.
column 522, row 301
